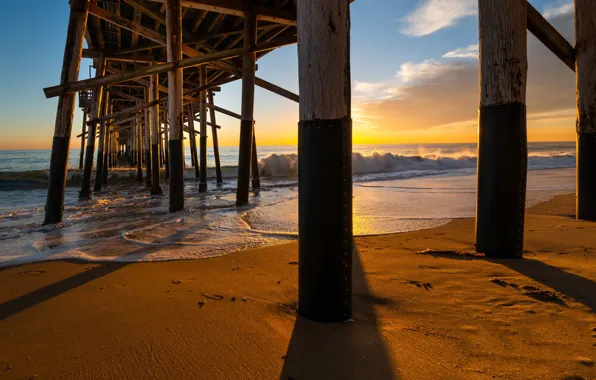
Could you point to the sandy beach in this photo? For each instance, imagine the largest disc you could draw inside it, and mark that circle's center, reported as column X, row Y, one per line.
column 417, row 315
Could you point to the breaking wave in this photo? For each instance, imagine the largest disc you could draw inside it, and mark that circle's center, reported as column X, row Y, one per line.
column 276, row 165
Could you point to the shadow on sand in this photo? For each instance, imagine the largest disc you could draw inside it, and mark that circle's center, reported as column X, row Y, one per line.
column 351, row 350
column 579, row 288
column 26, row 301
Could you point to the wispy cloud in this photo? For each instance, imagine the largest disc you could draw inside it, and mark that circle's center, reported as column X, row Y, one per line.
column 370, row 91
column 425, row 71
column 368, row 87
column 559, row 10
column 433, row 15
column 465, row 52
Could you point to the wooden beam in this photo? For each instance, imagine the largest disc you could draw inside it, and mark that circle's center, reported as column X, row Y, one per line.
column 54, row 91
column 550, row 37
column 123, row 95
column 125, row 23
column 155, row 36
column 223, row 110
column 238, row 7
column 141, row 107
column 132, row 58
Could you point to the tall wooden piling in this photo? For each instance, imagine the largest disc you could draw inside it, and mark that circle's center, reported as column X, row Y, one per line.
column 174, row 49
column 192, row 139
column 99, row 165
column 162, row 153
column 502, row 141
column 248, row 97
column 83, row 133
column 77, row 23
column 147, row 140
column 203, row 131
column 215, row 140
column 325, row 170
column 108, row 136
column 139, row 153
column 585, row 69
column 155, row 136
column 96, row 110
column 254, row 162
column 166, row 139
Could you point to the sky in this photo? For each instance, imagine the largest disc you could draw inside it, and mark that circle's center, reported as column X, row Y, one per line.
column 414, row 70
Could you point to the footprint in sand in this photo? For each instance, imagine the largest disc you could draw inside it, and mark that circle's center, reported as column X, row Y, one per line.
column 32, row 272
column 584, row 361
column 418, row 284
column 542, row 295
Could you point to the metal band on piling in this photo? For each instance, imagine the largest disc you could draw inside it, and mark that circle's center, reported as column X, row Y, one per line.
column 325, row 224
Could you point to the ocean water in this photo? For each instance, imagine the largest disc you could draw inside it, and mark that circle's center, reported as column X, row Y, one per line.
column 397, row 188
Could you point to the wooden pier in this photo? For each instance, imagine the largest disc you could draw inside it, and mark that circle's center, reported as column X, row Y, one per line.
column 159, row 62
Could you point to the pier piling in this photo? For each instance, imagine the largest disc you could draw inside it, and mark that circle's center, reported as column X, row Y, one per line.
column 192, row 139
column 96, row 110
column 101, row 144
column 585, row 61
column 325, row 170
column 147, row 128
column 83, row 133
column 73, row 50
column 246, row 124
column 215, row 140
column 174, row 50
column 203, row 131
column 502, row 141
column 155, row 136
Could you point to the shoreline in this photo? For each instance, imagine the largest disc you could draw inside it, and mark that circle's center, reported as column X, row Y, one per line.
column 416, row 316
column 38, row 179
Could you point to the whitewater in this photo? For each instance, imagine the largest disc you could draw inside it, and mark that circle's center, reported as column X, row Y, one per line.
column 397, row 188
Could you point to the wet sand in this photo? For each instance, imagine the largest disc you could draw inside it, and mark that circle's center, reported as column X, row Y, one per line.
column 428, row 315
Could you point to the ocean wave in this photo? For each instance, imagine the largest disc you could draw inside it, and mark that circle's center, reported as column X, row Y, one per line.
column 283, row 165
column 276, row 165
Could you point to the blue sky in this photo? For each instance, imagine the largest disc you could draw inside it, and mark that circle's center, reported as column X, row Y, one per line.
column 402, row 52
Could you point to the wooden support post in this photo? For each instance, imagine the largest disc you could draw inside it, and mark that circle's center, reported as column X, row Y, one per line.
column 203, row 130
column 160, row 141
column 248, row 97
column 585, row 59
column 73, row 50
column 83, row 133
column 502, row 140
column 104, row 172
column 155, row 136
column 166, row 139
column 194, row 159
column 254, row 162
column 325, row 170
column 215, row 141
column 147, row 141
column 100, row 148
column 174, row 50
column 139, row 152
